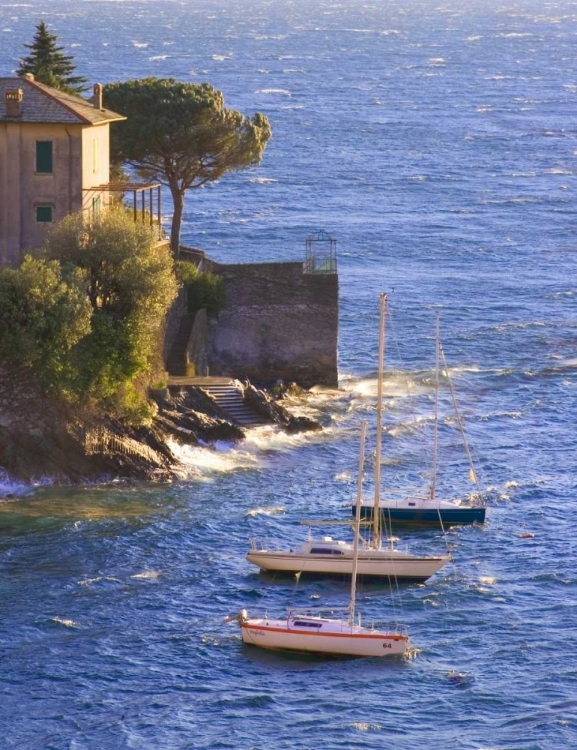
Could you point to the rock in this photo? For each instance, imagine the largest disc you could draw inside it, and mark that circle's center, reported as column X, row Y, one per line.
column 262, row 403
column 42, row 438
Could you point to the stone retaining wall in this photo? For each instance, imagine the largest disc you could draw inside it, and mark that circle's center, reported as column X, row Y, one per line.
column 279, row 323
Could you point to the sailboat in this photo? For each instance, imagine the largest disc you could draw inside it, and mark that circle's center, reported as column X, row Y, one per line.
column 326, row 635
column 335, row 557
column 427, row 509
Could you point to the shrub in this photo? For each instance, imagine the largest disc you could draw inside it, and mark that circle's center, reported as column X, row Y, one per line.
column 43, row 317
column 205, row 290
column 86, row 317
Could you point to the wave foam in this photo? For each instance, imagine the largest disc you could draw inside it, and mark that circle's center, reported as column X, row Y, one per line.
column 274, row 511
column 280, row 92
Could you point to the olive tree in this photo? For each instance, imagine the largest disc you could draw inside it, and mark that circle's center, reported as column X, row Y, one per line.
column 129, row 283
column 44, row 314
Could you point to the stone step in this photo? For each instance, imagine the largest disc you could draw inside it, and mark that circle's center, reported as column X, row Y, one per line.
column 226, row 394
column 230, row 400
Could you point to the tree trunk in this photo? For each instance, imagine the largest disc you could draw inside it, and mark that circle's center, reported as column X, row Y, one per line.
column 178, row 200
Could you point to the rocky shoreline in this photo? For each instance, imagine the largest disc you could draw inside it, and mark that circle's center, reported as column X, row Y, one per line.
column 39, row 438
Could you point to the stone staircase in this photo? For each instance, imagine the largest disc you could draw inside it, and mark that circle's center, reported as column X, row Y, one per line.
column 227, row 395
column 229, row 399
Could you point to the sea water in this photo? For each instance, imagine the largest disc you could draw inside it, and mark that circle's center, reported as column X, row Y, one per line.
column 435, row 141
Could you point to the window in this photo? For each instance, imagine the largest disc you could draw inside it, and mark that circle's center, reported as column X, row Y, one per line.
column 95, row 155
column 96, row 204
column 44, row 214
column 44, row 157
column 325, row 551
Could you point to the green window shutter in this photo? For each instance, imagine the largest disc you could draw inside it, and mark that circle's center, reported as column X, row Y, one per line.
column 44, row 157
column 44, row 213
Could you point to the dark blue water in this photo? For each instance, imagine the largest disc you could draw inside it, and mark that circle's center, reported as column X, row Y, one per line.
column 436, row 143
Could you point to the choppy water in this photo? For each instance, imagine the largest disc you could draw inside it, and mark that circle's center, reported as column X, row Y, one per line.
column 436, row 142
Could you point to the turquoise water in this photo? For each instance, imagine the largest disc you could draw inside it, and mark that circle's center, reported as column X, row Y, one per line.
column 436, row 143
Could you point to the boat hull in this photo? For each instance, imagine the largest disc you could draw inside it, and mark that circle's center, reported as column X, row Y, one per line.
column 427, row 516
column 399, row 567
column 331, row 637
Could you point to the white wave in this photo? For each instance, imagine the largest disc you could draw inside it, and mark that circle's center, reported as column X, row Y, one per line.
column 158, row 57
column 501, row 415
column 262, row 180
column 64, row 621
column 344, row 476
column 221, row 58
column 487, row 580
column 362, row 726
column 274, row 511
column 201, row 462
column 11, row 488
column 436, row 61
column 270, row 437
column 148, row 575
column 280, row 92
column 97, row 579
column 519, row 326
column 394, row 386
column 139, row 44
column 219, row 458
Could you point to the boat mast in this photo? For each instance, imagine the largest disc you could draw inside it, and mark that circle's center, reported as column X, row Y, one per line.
column 357, row 525
column 436, row 428
column 376, row 512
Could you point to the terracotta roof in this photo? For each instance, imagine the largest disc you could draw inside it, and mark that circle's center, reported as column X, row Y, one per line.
column 43, row 104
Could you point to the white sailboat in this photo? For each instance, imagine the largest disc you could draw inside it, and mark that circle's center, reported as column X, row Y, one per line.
column 329, row 556
column 326, row 635
column 427, row 509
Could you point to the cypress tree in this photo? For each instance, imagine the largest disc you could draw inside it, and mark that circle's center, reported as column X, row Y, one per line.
column 49, row 64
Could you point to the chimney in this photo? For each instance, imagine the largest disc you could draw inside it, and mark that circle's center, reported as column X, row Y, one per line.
column 97, row 98
column 14, row 99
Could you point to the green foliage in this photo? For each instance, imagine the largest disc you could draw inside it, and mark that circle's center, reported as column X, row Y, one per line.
column 129, row 282
column 181, row 134
column 87, row 316
column 205, row 290
column 133, row 405
column 49, row 64
column 43, row 316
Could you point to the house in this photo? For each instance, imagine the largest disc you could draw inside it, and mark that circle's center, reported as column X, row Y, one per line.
column 54, row 160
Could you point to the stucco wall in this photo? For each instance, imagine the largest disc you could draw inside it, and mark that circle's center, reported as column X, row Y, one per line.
column 22, row 189
column 279, row 323
column 95, row 163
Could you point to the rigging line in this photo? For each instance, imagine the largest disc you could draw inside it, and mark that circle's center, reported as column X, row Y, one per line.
column 379, row 517
column 410, row 394
column 472, row 472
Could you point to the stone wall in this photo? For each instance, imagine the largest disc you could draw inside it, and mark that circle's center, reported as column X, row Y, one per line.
column 279, row 323
column 178, row 309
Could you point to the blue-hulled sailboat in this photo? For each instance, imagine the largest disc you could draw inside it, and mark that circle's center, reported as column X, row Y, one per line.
column 423, row 509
